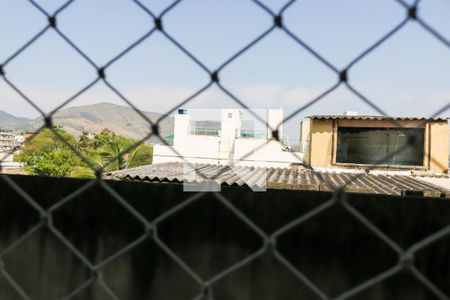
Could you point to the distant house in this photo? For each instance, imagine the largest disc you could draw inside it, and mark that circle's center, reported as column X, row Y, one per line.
column 230, row 143
column 9, row 145
column 352, row 141
column 7, row 140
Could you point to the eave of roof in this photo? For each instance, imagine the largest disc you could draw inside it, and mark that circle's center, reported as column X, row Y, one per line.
column 362, row 117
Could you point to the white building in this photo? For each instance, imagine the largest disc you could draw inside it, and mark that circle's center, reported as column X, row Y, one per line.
column 10, row 141
column 19, row 139
column 7, row 141
column 229, row 145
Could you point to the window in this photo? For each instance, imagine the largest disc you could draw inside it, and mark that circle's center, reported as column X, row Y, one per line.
column 373, row 145
column 230, row 115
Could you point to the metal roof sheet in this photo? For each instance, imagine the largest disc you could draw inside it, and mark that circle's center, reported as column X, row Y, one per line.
column 294, row 178
column 362, row 117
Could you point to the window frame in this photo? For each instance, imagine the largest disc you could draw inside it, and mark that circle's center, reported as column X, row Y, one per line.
column 389, row 124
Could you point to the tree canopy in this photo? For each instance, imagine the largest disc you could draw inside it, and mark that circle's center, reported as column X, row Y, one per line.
column 54, row 153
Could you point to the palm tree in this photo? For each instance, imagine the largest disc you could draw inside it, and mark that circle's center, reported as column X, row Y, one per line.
column 112, row 154
column 131, row 157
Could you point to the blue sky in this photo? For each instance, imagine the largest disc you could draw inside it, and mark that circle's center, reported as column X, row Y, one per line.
column 407, row 75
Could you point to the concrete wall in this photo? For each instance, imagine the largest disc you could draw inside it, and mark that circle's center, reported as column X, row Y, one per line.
column 247, row 152
column 263, row 153
column 275, row 121
column 333, row 250
column 321, row 143
column 8, row 165
column 304, row 134
column 6, row 156
column 230, row 126
column 181, row 129
column 439, row 147
column 194, row 148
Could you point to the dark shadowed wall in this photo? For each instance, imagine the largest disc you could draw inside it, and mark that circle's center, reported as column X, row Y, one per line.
column 332, row 249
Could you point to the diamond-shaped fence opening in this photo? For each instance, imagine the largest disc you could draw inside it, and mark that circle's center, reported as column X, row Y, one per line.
column 394, row 286
column 27, row 216
column 345, row 260
column 56, row 259
column 146, row 261
column 167, row 244
column 8, row 290
column 281, row 284
column 435, row 252
column 212, row 231
column 102, row 41
column 94, row 290
column 96, row 223
column 399, row 223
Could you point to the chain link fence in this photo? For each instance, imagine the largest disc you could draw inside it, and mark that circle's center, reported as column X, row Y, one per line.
column 206, row 285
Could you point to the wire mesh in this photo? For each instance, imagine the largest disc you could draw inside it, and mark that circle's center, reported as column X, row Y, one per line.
column 150, row 229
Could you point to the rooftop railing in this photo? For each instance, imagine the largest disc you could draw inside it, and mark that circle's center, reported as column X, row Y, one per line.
column 205, row 131
column 255, row 134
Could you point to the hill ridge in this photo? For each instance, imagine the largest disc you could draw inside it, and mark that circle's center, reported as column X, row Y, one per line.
column 123, row 120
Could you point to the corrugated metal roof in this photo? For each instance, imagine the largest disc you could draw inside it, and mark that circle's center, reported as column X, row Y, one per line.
column 361, row 117
column 295, row 178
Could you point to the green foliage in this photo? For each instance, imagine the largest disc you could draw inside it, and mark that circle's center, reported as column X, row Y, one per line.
column 46, row 154
column 55, row 163
column 48, row 140
column 81, row 172
column 142, row 155
column 84, row 142
column 112, row 153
